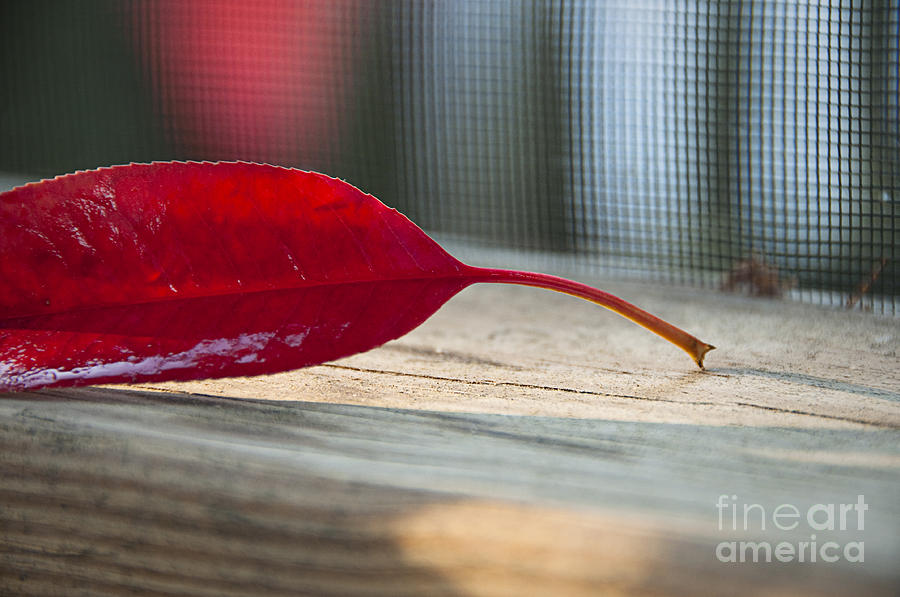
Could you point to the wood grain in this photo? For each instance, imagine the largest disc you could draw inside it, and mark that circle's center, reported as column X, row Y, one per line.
column 518, row 443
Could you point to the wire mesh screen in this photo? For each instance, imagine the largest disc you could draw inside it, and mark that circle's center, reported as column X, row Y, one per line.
column 752, row 145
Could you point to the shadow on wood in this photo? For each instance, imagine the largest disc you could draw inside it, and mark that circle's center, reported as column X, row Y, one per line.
column 112, row 491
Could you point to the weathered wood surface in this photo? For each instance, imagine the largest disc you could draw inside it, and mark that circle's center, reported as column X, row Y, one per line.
column 520, row 442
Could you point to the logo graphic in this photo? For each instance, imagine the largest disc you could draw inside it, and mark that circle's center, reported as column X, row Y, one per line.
column 835, row 520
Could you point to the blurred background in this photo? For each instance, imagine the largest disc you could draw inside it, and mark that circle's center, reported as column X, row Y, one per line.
column 751, row 146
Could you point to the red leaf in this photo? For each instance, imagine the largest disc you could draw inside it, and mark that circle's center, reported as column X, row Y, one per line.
column 176, row 270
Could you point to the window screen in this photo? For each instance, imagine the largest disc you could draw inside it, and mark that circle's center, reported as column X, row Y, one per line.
column 749, row 145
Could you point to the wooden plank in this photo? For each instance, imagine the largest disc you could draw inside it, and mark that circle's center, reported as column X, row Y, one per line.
column 524, row 351
column 518, row 443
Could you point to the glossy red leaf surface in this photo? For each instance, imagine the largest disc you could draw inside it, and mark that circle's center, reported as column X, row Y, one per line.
column 176, row 270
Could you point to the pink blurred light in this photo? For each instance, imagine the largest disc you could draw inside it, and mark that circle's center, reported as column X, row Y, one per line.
column 263, row 81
